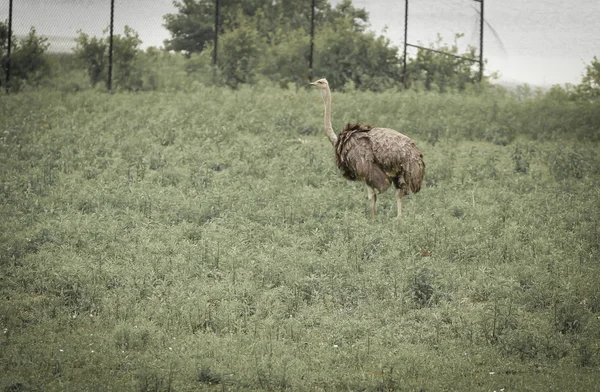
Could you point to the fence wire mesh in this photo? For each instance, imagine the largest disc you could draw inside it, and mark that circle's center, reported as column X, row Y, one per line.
column 61, row 21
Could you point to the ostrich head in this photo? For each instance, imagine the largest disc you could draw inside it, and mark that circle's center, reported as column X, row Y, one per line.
column 321, row 84
column 323, row 87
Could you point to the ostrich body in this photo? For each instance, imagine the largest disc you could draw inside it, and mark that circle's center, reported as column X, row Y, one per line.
column 378, row 156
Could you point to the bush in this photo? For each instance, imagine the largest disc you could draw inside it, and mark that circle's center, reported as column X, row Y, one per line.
column 286, row 60
column 441, row 72
column 239, row 54
column 273, row 40
column 344, row 55
column 93, row 53
column 589, row 88
column 29, row 64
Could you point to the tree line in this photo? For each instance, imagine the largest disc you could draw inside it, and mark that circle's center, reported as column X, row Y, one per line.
column 264, row 39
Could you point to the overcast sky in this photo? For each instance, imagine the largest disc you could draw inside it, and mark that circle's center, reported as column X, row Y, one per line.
column 540, row 42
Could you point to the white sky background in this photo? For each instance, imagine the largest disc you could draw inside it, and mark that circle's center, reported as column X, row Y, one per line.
column 61, row 19
column 540, row 42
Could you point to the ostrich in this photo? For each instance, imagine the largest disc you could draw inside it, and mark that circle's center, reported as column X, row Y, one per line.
column 378, row 156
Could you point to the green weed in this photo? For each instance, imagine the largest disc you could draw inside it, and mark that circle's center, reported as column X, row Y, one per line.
column 165, row 241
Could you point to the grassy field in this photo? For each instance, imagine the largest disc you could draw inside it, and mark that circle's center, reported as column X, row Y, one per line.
column 204, row 240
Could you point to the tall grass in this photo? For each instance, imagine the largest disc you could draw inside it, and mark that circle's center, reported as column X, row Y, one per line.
column 203, row 238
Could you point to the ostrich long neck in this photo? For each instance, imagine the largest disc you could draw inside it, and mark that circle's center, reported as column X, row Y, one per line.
column 328, row 128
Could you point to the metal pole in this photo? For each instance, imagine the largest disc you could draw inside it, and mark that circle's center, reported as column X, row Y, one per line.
column 404, row 79
column 312, row 39
column 10, row 9
column 110, row 45
column 216, row 32
column 481, row 43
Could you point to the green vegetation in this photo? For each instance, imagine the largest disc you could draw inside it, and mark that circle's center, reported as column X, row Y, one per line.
column 435, row 71
column 29, row 64
column 203, row 239
column 272, row 39
column 259, row 41
column 589, row 88
column 191, row 236
column 93, row 54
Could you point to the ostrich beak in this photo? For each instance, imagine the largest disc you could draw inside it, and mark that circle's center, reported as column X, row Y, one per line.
column 312, row 83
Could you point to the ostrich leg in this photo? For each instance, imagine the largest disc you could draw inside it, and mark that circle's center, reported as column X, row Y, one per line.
column 399, row 196
column 373, row 197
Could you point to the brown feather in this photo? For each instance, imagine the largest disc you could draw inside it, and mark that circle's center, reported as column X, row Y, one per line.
column 379, row 156
column 354, row 157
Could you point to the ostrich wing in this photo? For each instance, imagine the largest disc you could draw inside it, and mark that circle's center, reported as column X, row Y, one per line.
column 397, row 155
column 355, row 158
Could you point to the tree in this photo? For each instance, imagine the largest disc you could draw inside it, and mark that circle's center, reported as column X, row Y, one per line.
column 192, row 27
column 345, row 54
column 442, row 72
column 286, row 59
column 358, row 17
column 589, row 88
column 28, row 60
column 240, row 50
column 272, row 38
column 125, row 51
column 92, row 52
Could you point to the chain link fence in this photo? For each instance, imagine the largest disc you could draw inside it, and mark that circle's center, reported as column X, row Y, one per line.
column 61, row 21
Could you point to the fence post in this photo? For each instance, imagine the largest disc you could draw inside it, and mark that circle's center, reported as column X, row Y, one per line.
column 110, row 45
column 8, row 54
column 404, row 79
column 312, row 40
column 216, row 32
column 481, row 43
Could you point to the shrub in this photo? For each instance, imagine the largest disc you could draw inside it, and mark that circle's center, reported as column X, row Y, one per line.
column 441, row 72
column 240, row 49
column 93, row 53
column 589, row 88
column 345, row 55
column 29, row 64
column 272, row 40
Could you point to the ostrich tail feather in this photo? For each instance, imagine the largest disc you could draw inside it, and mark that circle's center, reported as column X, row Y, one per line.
column 413, row 174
